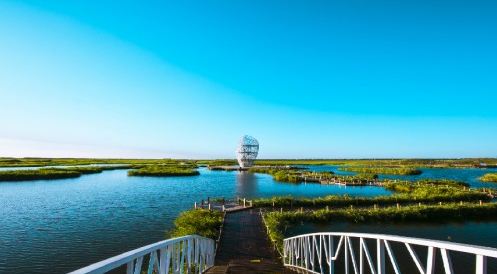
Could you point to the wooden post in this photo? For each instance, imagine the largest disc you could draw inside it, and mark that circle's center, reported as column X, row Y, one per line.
column 281, row 210
column 224, row 209
column 244, row 202
column 460, row 202
column 327, row 208
column 273, row 203
column 480, row 202
column 398, row 206
column 375, row 206
column 195, row 205
column 419, row 204
column 301, row 210
column 209, row 206
column 439, row 203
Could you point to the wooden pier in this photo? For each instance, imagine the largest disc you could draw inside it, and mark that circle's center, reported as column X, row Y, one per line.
column 244, row 246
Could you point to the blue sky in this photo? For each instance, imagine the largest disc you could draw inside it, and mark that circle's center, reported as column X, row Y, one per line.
column 309, row 79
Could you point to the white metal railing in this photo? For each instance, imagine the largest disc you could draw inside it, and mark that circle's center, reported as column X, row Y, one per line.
column 317, row 253
column 188, row 254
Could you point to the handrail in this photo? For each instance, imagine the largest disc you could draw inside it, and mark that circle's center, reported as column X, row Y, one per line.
column 169, row 256
column 317, row 252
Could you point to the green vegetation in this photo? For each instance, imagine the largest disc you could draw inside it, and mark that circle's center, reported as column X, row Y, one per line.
column 280, row 174
column 201, row 222
column 413, row 163
column 383, row 170
column 40, row 162
column 489, row 178
column 277, row 222
column 38, row 174
column 345, row 201
column 164, row 170
column 289, row 174
column 227, row 162
column 53, row 173
column 283, row 162
column 89, row 169
column 408, row 163
column 424, row 191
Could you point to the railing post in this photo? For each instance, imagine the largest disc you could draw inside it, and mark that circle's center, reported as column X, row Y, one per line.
column 380, row 254
column 331, row 248
column 346, row 247
column 430, row 263
column 481, row 264
column 361, row 256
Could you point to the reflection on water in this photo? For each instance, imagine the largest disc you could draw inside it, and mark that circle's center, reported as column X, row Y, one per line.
column 246, row 183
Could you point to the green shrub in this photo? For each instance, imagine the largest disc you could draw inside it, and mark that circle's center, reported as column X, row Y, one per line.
column 37, row 174
column 383, row 170
column 201, row 222
column 489, row 178
column 164, row 171
column 278, row 222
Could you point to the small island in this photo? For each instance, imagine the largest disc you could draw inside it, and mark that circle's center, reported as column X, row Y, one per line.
column 165, row 170
column 489, row 178
column 383, row 170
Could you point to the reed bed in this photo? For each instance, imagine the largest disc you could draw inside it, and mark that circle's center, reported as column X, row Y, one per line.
column 54, row 172
column 277, row 222
column 397, row 170
column 201, row 222
column 424, row 191
column 38, row 174
column 164, row 171
column 489, row 178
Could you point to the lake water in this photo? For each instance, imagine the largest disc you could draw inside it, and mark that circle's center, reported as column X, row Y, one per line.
column 60, row 225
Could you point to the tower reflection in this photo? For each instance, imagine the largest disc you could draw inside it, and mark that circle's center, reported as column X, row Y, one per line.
column 246, row 184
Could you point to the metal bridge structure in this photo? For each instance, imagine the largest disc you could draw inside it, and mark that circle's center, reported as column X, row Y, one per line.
column 188, row 254
column 357, row 253
column 319, row 252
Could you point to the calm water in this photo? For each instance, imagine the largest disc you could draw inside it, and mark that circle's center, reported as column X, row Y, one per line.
column 60, row 225
column 475, row 233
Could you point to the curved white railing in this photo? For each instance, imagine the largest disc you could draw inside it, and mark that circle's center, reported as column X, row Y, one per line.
column 188, row 254
column 317, row 253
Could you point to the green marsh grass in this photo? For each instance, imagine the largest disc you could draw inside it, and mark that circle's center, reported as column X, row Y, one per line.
column 278, row 222
column 383, row 170
column 489, row 178
column 164, row 171
column 201, row 222
column 38, row 174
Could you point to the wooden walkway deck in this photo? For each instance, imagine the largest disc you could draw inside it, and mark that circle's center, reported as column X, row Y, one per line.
column 244, row 246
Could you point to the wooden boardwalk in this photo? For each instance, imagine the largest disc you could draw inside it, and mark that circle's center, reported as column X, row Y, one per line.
column 244, row 246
